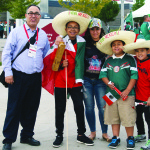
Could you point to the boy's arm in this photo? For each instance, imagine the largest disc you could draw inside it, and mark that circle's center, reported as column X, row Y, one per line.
column 107, row 82
column 128, row 89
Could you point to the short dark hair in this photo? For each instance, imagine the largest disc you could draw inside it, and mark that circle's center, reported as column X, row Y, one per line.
column 144, row 17
column 72, row 21
column 33, row 5
column 118, row 40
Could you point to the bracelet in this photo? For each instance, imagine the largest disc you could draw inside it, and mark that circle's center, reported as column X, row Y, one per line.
column 109, row 82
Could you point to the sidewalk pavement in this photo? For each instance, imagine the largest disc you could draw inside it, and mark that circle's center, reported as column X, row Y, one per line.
column 2, row 44
column 45, row 126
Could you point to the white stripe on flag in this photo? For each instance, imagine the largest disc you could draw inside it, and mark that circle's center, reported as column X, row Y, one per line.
column 109, row 98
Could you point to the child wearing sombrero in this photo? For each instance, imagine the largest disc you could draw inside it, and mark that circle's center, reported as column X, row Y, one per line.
column 141, row 49
column 119, row 71
column 69, row 24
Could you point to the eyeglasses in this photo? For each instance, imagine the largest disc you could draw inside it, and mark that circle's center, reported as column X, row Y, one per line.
column 75, row 28
column 31, row 14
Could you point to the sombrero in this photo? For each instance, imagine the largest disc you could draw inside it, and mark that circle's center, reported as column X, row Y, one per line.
column 140, row 43
column 60, row 21
column 104, row 44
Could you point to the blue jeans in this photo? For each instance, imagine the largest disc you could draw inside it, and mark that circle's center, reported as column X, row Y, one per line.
column 94, row 88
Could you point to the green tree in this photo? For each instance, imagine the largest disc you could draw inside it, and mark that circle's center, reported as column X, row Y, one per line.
column 5, row 5
column 18, row 8
column 109, row 12
column 91, row 7
column 138, row 4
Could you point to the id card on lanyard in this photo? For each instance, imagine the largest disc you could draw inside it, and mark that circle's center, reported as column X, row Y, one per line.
column 32, row 48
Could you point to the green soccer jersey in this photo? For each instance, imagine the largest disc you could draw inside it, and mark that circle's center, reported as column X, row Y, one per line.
column 145, row 27
column 120, row 70
column 128, row 27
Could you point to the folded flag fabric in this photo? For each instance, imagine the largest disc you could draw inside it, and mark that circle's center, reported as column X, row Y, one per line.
column 109, row 98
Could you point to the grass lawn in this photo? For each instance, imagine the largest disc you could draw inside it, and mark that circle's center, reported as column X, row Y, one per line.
column 0, row 63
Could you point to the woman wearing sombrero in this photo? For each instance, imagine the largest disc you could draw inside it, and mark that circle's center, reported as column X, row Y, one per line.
column 69, row 24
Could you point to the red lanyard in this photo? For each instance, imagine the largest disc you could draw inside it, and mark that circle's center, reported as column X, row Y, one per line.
column 28, row 34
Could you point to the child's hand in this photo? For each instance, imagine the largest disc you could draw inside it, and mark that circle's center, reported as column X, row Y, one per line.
column 148, row 102
column 58, row 40
column 124, row 93
column 65, row 63
column 111, row 85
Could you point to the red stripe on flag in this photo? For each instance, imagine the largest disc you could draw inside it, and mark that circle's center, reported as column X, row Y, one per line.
column 108, row 101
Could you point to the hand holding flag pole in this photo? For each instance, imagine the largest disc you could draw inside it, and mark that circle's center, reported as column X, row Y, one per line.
column 118, row 91
column 109, row 98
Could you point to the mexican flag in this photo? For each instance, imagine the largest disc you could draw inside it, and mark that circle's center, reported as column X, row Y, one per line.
column 109, row 98
column 74, row 53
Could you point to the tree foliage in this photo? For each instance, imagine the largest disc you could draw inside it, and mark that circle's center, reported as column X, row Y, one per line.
column 5, row 5
column 109, row 12
column 19, row 7
column 91, row 7
column 138, row 4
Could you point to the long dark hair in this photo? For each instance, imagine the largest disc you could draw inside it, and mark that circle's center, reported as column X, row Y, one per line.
column 88, row 37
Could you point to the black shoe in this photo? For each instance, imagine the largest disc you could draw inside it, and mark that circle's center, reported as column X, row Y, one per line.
column 7, row 146
column 114, row 143
column 30, row 141
column 58, row 141
column 130, row 142
column 84, row 139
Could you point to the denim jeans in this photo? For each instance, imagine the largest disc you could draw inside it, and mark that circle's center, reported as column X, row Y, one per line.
column 94, row 88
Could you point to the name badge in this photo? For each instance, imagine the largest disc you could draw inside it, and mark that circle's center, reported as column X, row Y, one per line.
column 32, row 51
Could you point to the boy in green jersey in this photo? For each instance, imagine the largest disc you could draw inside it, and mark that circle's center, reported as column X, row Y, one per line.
column 120, row 69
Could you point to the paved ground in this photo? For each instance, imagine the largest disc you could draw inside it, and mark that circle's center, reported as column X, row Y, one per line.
column 45, row 126
column 2, row 43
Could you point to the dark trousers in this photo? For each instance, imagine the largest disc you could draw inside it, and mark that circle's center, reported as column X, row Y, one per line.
column 1, row 33
column 60, row 107
column 140, row 109
column 23, row 102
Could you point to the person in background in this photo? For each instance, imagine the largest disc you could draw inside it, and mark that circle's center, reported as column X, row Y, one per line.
column 128, row 26
column 24, row 79
column 145, row 27
column 5, row 30
column 94, row 88
column 136, row 29
column 14, row 25
column 1, row 29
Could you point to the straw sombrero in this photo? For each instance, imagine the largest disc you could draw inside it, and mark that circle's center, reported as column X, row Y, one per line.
column 104, row 44
column 140, row 43
column 60, row 21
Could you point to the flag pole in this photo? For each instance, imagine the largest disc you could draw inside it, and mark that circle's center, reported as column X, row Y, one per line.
column 66, row 101
column 122, row 14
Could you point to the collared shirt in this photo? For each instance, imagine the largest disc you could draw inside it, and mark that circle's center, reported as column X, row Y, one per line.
column 114, row 57
column 15, row 43
column 119, row 70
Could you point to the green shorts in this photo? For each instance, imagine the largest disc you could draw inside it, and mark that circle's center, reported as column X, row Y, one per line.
column 121, row 112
